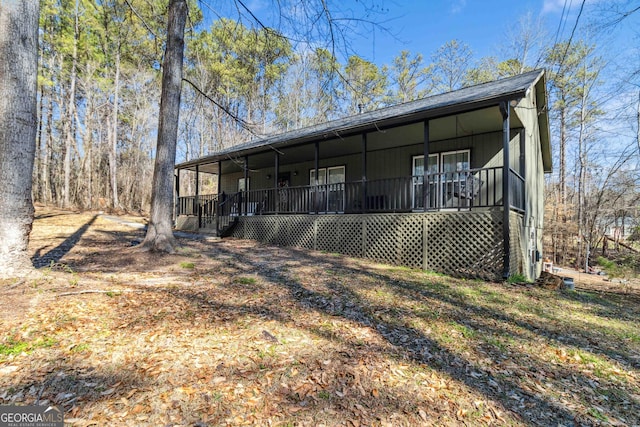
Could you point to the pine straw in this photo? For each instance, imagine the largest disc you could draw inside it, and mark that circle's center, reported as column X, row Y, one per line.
column 260, row 335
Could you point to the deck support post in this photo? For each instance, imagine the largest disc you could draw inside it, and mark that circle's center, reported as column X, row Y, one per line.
column 425, row 152
column 506, row 202
column 243, row 195
column 317, row 167
column 364, row 173
column 276, row 196
column 523, row 164
column 219, row 190
column 217, row 205
column 198, row 196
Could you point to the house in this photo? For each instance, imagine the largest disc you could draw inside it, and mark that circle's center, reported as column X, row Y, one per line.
column 451, row 183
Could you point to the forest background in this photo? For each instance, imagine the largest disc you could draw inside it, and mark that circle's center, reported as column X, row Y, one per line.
column 251, row 72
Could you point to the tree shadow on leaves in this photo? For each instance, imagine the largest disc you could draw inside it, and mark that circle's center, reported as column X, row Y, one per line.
column 345, row 302
column 55, row 255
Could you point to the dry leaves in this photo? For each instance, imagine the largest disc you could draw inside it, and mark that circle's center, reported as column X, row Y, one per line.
column 257, row 335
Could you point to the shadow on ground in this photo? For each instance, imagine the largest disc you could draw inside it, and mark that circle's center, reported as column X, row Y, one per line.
column 344, row 296
column 54, row 256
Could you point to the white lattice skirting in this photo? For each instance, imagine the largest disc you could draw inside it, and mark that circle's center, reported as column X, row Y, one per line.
column 467, row 244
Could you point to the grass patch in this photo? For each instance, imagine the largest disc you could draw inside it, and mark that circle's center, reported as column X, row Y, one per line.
column 595, row 413
column 517, row 278
column 187, row 265
column 13, row 347
column 499, row 342
column 600, row 366
column 464, row 330
column 243, row 280
column 80, row 348
column 324, row 395
column 427, row 312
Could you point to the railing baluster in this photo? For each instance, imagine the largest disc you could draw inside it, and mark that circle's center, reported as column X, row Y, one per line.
column 459, row 190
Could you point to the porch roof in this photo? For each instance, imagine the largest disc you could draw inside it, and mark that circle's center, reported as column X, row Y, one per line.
column 446, row 104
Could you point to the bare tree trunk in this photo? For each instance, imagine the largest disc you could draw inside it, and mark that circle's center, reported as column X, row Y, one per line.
column 563, row 185
column 46, row 166
column 113, row 153
column 68, row 121
column 37, row 184
column 638, row 127
column 582, row 172
column 159, row 234
column 56, row 175
column 18, row 127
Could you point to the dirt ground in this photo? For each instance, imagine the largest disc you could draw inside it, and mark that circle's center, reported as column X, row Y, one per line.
column 601, row 283
column 233, row 332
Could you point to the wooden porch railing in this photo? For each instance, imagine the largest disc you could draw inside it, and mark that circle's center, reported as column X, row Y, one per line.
column 462, row 190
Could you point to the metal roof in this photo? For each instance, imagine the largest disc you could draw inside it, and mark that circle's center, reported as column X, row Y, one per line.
column 458, row 101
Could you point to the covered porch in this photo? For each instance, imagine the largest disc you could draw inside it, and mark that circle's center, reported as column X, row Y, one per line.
column 380, row 171
column 461, row 190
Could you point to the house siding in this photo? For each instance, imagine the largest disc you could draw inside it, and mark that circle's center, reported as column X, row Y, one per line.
column 532, row 221
column 518, row 251
column 486, row 151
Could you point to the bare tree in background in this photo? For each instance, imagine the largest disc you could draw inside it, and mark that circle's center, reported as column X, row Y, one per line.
column 450, row 65
column 18, row 127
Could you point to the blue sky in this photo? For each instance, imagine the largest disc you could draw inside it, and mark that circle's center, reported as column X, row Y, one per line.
column 421, row 26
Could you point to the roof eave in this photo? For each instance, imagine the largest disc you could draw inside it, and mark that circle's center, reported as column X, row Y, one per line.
column 543, row 123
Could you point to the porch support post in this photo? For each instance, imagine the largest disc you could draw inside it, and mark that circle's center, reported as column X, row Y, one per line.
column 364, row 173
column 506, row 202
column 217, row 204
column 219, row 177
column 276, row 193
column 198, row 196
column 523, row 164
column 425, row 184
column 317, row 167
column 243, row 197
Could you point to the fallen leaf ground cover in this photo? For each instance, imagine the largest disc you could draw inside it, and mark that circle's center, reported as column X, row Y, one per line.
column 234, row 332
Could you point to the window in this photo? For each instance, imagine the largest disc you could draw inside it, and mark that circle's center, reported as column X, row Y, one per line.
column 322, row 176
column 455, row 161
column 335, row 175
column 443, row 169
column 331, row 188
column 242, row 185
